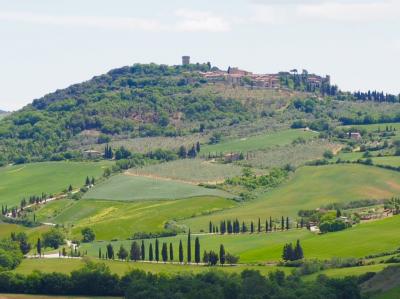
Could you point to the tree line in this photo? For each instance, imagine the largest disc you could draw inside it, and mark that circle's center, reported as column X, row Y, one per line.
column 235, row 227
column 164, row 252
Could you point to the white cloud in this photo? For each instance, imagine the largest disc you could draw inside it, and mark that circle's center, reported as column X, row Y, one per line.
column 290, row 11
column 186, row 20
column 200, row 21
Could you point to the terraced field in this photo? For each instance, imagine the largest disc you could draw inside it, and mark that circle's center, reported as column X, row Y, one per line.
column 19, row 181
column 310, row 188
column 131, row 187
column 190, row 170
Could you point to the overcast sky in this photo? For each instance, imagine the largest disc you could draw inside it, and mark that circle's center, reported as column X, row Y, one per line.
column 46, row 45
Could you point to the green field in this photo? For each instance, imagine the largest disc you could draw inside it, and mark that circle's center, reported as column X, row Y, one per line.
column 358, row 241
column 354, row 156
column 19, row 181
column 33, row 233
column 190, row 170
column 258, row 142
column 391, row 294
column 116, row 219
column 375, row 127
column 310, row 188
column 133, row 188
column 120, row 268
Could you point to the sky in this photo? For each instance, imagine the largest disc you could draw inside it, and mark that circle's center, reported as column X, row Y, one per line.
column 47, row 45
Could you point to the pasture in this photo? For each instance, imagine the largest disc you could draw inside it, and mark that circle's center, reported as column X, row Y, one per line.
column 375, row 127
column 130, row 187
column 258, row 142
column 190, row 170
column 33, row 233
column 118, row 219
column 22, row 181
column 310, row 187
column 358, row 241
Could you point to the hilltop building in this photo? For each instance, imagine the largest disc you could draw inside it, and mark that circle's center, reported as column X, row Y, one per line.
column 185, row 60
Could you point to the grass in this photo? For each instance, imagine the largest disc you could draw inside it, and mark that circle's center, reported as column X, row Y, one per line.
column 258, row 142
column 133, row 188
column 348, row 271
column 354, row 156
column 115, row 219
column 358, row 241
column 19, row 181
column 391, row 294
column 190, row 170
column 33, row 233
column 120, row 268
column 310, row 188
column 376, row 127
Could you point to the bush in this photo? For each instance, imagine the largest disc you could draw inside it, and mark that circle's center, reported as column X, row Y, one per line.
column 88, row 235
column 53, row 238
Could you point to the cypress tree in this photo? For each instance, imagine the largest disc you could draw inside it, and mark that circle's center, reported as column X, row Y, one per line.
column 197, row 250
column 87, row 182
column 157, row 251
column 39, row 247
column 270, row 224
column 99, row 253
column 259, row 225
column 252, row 227
column 171, row 252
column 180, row 252
column 282, row 223
column 135, row 253
column 110, row 251
column 198, row 147
column 301, row 223
column 151, row 252
column 164, row 252
column 229, row 223
column 287, row 223
column 266, row 225
column 222, row 255
column 210, row 227
column 244, row 228
column 142, row 251
column 189, row 248
column 298, row 251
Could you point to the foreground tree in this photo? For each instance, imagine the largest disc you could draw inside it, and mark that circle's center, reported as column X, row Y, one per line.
column 180, row 252
column 189, row 249
column 222, row 255
column 197, row 250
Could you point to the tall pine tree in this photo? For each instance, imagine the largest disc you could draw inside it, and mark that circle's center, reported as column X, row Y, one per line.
column 157, row 251
column 180, row 252
column 197, row 250
column 189, row 249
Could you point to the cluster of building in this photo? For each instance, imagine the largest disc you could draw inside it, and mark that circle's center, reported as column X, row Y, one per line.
column 237, row 76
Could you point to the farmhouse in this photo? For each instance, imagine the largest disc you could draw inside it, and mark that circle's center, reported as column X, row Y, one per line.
column 92, row 154
column 355, row 135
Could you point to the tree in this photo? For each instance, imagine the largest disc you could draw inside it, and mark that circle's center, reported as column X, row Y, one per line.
column 210, row 227
column 122, row 253
column 87, row 182
column 288, row 254
column 171, row 252
column 151, row 252
column 252, row 227
column 244, row 227
column 110, row 252
column 135, row 252
column 259, row 225
column 328, row 154
column 164, row 252
column 213, row 258
column 298, row 251
column 70, row 188
column 198, row 147
column 287, row 223
column 39, row 247
column 338, row 213
column 157, row 251
column 231, row 259
column 189, row 249
column 266, row 225
column 182, row 153
column 197, row 250
column 222, row 255
column 180, row 252
column 192, row 152
column 99, row 253
column 53, row 238
column 22, row 240
column 88, row 235
column 143, row 251
column 282, row 223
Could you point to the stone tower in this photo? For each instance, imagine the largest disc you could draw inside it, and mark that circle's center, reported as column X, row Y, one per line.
column 185, row 60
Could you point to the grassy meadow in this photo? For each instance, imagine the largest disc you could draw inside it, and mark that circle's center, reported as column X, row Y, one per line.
column 258, row 142
column 376, row 127
column 19, row 181
column 118, row 219
column 309, row 188
column 33, row 233
column 130, row 187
